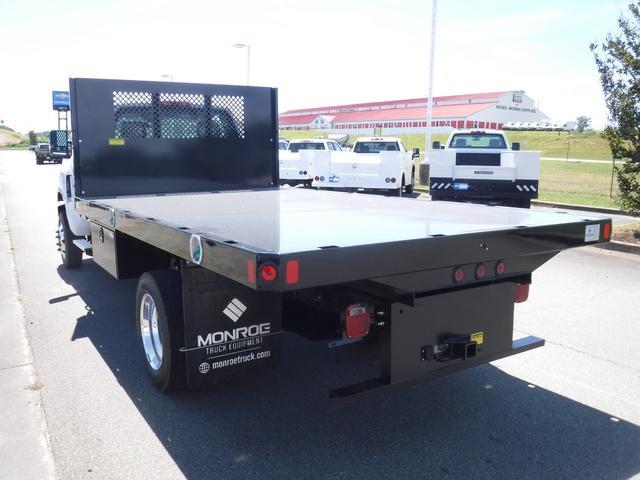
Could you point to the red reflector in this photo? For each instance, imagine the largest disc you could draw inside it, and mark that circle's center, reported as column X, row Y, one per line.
column 458, row 274
column 500, row 268
column 268, row 273
column 522, row 292
column 606, row 231
column 251, row 272
column 356, row 321
column 292, row 271
column 481, row 271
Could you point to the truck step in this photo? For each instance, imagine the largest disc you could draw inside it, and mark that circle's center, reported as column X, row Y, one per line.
column 84, row 245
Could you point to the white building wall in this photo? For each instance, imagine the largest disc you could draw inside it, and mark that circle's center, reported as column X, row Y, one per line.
column 511, row 107
column 508, row 110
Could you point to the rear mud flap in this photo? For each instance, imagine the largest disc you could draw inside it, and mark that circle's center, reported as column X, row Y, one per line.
column 228, row 328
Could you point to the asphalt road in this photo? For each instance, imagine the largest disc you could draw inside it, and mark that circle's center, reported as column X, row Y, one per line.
column 568, row 410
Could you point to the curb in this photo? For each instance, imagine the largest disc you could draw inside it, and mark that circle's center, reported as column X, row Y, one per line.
column 23, row 419
column 568, row 206
column 623, row 247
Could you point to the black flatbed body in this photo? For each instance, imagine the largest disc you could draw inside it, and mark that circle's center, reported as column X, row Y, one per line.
column 336, row 237
column 180, row 185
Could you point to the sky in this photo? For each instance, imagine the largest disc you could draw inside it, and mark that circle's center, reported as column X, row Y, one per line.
column 316, row 53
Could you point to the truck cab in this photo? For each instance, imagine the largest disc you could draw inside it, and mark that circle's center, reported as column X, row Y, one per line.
column 481, row 166
column 296, row 165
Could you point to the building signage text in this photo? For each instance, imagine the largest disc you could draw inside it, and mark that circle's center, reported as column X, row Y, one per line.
column 516, row 109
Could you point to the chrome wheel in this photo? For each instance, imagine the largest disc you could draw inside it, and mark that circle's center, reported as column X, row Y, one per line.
column 150, row 331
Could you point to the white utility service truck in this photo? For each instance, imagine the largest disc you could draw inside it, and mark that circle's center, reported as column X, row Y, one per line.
column 375, row 163
column 480, row 166
column 295, row 162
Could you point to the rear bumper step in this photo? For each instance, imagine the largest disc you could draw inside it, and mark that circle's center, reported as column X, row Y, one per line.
column 381, row 384
column 84, row 245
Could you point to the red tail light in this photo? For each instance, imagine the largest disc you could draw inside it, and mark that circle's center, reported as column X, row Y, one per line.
column 356, row 321
column 292, row 272
column 481, row 271
column 606, row 231
column 458, row 274
column 522, row 292
column 251, row 272
column 500, row 268
column 268, row 272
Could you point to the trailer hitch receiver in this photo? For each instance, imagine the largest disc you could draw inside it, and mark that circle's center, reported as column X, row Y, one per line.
column 451, row 348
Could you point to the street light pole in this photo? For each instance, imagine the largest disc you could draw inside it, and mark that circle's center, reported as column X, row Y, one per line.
column 434, row 10
column 248, row 47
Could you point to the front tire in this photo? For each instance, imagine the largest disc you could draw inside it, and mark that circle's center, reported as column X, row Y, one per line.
column 71, row 255
column 160, row 328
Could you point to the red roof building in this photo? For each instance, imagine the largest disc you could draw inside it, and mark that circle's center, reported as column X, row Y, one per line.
column 476, row 110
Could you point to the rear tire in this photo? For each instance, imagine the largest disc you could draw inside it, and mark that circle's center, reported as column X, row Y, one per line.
column 38, row 161
column 409, row 188
column 70, row 254
column 160, row 328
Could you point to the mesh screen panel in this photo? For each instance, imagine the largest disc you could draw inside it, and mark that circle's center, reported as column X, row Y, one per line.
column 177, row 115
column 58, row 138
column 235, row 106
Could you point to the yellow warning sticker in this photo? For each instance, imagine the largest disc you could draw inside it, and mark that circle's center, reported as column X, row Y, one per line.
column 116, row 141
column 477, row 337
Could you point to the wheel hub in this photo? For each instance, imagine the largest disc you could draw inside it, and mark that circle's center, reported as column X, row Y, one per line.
column 150, row 331
column 60, row 237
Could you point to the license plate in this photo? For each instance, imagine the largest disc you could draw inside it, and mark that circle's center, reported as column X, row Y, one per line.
column 461, row 186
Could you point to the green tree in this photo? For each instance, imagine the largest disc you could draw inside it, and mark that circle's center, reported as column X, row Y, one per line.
column 618, row 62
column 583, row 123
column 32, row 138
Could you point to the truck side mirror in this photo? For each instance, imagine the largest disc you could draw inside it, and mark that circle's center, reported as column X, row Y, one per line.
column 416, row 153
column 436, row 145
column 515, row 146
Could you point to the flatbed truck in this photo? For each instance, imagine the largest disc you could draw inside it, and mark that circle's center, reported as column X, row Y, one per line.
column 184, row 195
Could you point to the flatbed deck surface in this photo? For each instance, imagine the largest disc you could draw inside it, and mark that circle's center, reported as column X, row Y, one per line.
column 293, row 220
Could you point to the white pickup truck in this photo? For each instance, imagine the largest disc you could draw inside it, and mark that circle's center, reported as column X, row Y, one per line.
column 295, row 162
column 73, row 229
column 480, row 166
column 375, row 163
